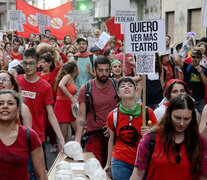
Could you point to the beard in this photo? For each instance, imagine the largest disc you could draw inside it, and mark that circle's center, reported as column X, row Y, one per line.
column 82, row 50
column 102, row 79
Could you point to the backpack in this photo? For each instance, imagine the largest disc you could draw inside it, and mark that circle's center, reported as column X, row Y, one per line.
column 90, row 56
column 89, row 96
column 115, row 119
column 189, row 68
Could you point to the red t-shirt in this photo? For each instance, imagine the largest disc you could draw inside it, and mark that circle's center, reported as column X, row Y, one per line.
column 160, row 167
column 127, row 64
column 36, row 96
column 14, row 158
column 19, row 56
column 127, row 137
column 104, row 102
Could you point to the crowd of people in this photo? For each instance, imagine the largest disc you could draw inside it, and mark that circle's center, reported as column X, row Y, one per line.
column 42, row 81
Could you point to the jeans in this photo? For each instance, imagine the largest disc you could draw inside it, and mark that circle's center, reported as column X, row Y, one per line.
column 200, row 105
column 121, row 170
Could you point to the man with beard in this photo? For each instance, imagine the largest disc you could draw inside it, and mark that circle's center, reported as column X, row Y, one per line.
column 85, row 61
column 103, row 100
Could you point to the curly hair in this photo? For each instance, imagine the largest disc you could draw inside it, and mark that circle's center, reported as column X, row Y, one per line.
column 44, row 48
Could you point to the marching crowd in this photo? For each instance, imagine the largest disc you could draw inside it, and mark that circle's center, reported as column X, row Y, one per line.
column 47, row 84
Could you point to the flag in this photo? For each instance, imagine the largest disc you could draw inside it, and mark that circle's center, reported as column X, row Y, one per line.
column 58, row 19
column 114, row 29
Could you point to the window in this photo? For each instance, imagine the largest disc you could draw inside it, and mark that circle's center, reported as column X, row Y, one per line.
column 194, row 21
column 170, row 24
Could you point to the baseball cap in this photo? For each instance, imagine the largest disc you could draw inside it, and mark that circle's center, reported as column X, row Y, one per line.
column 196, row 53
column 94, row 49
column 81, row 38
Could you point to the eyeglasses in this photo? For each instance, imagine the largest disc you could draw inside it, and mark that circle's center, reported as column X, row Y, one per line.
column 4, row 80
column 31, row 64
column 177, row 151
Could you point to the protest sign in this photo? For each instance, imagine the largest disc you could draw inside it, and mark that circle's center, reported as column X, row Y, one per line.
column 14, row 15
column 16, row 26
column 205, row 15
column 1, row 36
column 78, row 16
column 145, row 36
column 103, row 39
column 42, row 29
column 125, row 15
column 43, row 20
column 145, row 63
column 23, row 19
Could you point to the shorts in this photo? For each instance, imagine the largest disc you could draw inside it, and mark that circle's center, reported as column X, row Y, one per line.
column 63, row 111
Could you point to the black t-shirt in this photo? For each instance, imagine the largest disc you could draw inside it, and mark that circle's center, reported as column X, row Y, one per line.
column 193, row 78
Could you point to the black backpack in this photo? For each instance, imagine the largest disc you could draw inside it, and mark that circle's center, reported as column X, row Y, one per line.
column 89, row 96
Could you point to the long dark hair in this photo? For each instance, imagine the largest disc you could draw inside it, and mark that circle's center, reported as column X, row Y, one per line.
column 192, row 137
column 69, row 67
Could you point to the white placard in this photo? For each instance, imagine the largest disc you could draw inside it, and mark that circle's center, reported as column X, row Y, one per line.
column 145, row 36
column 1, row 36
column 205, row 15
column 145, row 63
column 125, row 15
column 16, row 26
column 103, row 39
column 43, row 20
column 122, row 28
column 23, row 19
column 42, row 29
column 78, row 16
column 14, row 15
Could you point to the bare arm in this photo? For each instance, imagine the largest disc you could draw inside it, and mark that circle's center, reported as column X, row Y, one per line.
column 203, row 76
column 89, row 71
column 5, row 61
column 64, row 81
column 81, row 118
column 136, row 78
column 39, row 163
column 203, row 125
column 26, row 116
column 203, row 178
column 110, row 150
column 137, row 174
column 54, row 123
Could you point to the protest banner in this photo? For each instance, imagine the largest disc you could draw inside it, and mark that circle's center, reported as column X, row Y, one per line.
column 125, row 15
column 145, row 63
column 43, row 20
column 205, row 15
column 77, row 16
column 103, row 39
column 14, row 15
column 145, row 36
column 58, row 28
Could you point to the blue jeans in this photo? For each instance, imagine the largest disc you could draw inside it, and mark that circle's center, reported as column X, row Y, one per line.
column 121, row 170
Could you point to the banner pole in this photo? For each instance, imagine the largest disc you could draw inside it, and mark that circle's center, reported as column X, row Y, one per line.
column 124, row 57
column 144, row 101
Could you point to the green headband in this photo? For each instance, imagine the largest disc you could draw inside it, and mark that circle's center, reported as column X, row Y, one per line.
column 115, row 61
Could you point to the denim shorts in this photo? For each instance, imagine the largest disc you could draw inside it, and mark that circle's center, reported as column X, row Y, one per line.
column 121, row 170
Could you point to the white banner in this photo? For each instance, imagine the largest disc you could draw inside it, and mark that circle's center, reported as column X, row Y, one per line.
column 14, row 15
column 205, row 15
column 125, row 15
column 103, row 39
column 43, row 20
column 145, row 63
column 145, row 36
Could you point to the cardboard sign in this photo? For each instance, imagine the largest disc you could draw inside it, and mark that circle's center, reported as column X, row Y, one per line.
column 42, row 29
column 145, row 63
column 205, row 15
column 125, row 15
column 14, row 15
column 103, row 39
column 43, row 20
column 16, row 26
column 145, row 36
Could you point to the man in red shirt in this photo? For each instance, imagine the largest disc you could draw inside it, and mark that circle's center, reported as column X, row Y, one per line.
column 15, row 49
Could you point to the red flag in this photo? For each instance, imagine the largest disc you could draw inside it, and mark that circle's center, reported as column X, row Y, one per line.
column 114, row 29
column 58, row 19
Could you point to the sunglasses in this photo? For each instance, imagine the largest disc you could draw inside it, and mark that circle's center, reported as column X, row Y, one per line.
column 177, row 152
